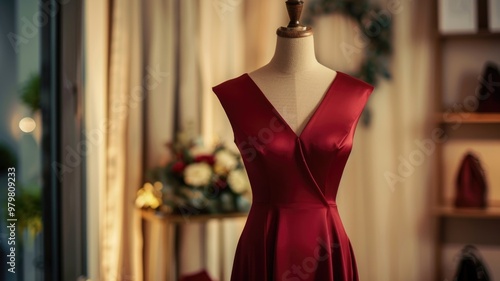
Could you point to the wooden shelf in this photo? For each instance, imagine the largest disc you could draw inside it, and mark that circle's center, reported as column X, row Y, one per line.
column 180, row 219
column 468, row 117
column 454, row 68
column 452, row 212
column 481, row 34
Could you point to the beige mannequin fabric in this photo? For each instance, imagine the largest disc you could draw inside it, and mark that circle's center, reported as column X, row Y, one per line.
column 294, row 81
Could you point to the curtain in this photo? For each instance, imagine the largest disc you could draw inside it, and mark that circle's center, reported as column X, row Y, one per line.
column 159, row 27
column 387, row 211
column 117, row 81
column 211, row 49
column 231, row 37
column 95, row 108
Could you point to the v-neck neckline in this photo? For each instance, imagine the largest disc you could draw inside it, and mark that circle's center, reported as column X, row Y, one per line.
column 317, row 108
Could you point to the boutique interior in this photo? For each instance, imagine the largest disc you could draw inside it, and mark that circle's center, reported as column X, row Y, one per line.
column 259, row 140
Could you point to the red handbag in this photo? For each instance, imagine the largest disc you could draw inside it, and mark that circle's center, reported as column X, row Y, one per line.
column 471, row 184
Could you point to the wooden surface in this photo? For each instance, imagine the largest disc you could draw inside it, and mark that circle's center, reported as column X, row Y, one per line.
column 468, row 117
column 294, row 28
column 180, row 219
column 452, row 212
column 478, row 35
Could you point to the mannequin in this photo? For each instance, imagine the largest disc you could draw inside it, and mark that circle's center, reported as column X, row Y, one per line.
column 294, row 81
column 294, row 178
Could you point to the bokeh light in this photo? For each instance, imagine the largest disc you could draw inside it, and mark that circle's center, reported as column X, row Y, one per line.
column 27, row 124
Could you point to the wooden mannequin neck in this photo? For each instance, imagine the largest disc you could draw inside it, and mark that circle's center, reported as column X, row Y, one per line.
column 294, row 55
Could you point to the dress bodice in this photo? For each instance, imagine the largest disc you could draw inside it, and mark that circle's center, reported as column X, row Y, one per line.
column 293, row 230
column 275, row 156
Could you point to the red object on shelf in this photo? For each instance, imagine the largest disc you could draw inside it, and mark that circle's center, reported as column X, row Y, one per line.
column 471, row 184
column 489, row 92
column 200, row 276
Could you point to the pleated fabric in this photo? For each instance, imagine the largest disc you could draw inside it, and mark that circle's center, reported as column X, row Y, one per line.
column 294, row 231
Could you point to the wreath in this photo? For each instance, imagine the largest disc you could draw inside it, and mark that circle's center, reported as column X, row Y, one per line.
column 374, row 23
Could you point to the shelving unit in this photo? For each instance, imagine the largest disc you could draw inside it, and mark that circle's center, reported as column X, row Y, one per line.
column 478, row 35
column 452, row 212
column 460, row 59
column 468, row 117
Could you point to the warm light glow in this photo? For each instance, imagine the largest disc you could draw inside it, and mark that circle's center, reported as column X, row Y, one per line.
column 27, row 125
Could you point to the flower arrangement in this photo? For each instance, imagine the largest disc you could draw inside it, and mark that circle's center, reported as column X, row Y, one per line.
column 197, row 180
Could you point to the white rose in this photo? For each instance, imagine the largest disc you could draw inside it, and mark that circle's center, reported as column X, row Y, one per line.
column 238, row 181
column 198, row 174
column 225, row 160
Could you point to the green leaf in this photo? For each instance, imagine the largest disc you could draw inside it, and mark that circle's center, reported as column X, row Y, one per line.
column 30, row 92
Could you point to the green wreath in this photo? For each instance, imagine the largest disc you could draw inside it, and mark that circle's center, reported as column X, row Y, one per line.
column 374, row 23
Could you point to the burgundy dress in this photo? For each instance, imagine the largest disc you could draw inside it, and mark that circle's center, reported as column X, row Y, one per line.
column 294, row 231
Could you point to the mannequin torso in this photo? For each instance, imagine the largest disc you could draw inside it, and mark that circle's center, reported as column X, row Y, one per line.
column 294, row 179
column 294, row 81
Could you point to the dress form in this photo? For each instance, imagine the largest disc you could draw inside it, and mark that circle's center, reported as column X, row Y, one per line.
column 294, row 178
column 294, row 81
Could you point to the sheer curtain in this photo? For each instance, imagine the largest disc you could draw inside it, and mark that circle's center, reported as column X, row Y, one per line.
column 128, row 97
column 211, row 49
column 232, row 37
column 389, row 221
column 113, row 122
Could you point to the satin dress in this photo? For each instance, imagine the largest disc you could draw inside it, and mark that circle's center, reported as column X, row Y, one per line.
column 293, row 230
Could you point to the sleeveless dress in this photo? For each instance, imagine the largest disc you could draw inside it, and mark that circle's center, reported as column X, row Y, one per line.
column 293, row 230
